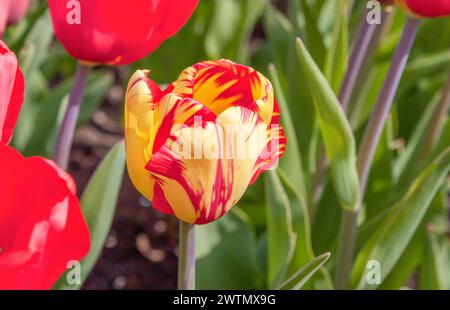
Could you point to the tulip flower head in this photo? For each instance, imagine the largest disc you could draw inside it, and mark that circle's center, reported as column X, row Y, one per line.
column 117, row 32
column 426, row 8
column 194, row 148
column 11, row 12
column 42, row 228
column 11, row 92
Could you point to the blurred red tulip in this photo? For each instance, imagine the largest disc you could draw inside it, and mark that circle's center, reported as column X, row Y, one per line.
column 11, row 12
column 42, row 228
column 11, row 92
column 430, row 8
column 114, row 31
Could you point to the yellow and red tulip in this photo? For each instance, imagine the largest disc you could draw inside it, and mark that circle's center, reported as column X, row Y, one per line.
column 194, row 148
column 426, row 8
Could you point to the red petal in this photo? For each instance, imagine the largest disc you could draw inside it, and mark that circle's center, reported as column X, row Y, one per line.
column 11, row 92
column 431, row 9
column 41, row 224
column 116, row 31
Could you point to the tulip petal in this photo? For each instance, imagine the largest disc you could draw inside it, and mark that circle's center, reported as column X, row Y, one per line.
column 208, row 182
column 17, row 10
column 274, row 149
column 173, row 112
column 4, row 13
column 115, row 31
column 41, row 224
column 223, row 83
column 430, row 9
column 11, row 92
column 139, row 109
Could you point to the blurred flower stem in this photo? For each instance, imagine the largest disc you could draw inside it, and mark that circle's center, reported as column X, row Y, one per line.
column 67, row 129
column 186, row 257
column 382, row 107
column 368, row 147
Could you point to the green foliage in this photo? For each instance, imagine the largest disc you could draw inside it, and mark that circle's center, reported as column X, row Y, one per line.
column 299, row 279
column 98, row 203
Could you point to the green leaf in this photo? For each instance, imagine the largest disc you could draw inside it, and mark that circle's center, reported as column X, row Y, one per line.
column 303, row 252
column 388, row 243
column 407, row 160
column 31, row 57
column 424, row 66
column 230, row 28
column 281, row 236
column 406, row 265
column 226, row 254
column 314, row 38
column 336, row 132
column 436, row 265
column 227, row 16
column 99, row 203
column 280, row 33
column 337, row 56
column 281, row 37
column 299, row 279
column 291, row 163
column 327, row 214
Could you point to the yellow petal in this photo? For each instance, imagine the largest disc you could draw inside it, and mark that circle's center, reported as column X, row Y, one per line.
column 139, row 112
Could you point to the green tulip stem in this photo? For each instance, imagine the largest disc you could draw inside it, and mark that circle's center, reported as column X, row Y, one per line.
column 368, row 147
column 186, row 258
column 67, row 129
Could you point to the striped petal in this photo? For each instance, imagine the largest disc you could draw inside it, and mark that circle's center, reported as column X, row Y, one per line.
column 173, row 112
column 274, row 149
column 204, row 169
column 221, row 84
column 151, row 115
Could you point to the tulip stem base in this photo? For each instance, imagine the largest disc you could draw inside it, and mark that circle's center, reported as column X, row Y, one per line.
column 186, row 258
column 67, row 130
column 346, row 244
